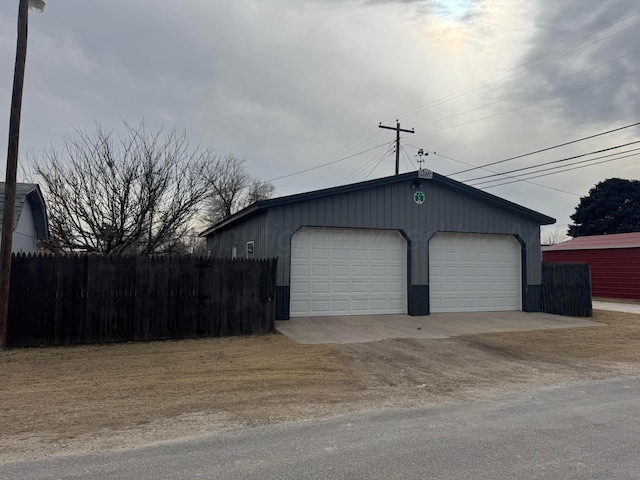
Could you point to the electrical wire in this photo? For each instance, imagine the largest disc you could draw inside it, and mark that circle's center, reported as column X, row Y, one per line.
column 547, row 148
column 478, row 86
column 326, row 164
column 365, row 167
column 489, row 170
column 566, row 170
column 376, row 166
column 408, row 158
column 549, row 163
column 516, row 177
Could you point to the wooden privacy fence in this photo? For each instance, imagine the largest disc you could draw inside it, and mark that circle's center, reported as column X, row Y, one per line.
column 566, row 289
column 58, row 300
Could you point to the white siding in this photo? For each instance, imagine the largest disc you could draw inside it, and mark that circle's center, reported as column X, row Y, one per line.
column 24, row 236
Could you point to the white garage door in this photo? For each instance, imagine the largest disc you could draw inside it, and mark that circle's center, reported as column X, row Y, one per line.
column 474, row 272
column 347, row 272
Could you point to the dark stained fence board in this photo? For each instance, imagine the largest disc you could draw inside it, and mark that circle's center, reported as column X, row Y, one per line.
column 62, row 300
column 566, row 289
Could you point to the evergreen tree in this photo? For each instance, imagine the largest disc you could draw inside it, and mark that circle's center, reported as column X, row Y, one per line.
column 612, row 206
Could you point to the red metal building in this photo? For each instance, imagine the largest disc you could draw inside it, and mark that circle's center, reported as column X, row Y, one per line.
column 614, row 261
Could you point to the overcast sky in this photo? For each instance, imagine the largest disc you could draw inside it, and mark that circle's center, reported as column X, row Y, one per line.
column 293, row 84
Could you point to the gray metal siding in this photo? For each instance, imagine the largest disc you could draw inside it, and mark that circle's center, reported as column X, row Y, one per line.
column 388, row 206
column 254, row 229
column 392, row 207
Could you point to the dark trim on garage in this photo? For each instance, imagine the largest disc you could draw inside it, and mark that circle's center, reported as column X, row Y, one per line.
column 531, row 294
column 523, row 273
column 533, row 298
column 418, row 300
column 282, row 302
column 408, row 285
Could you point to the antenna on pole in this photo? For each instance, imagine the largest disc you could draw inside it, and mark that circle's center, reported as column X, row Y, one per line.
column 398, row 130
column 421, row 153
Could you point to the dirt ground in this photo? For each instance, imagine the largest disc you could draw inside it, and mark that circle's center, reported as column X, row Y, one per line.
column 94, row 398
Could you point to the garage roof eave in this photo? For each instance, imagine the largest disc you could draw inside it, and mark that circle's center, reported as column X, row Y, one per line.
column 440, row 179
column 235, row 218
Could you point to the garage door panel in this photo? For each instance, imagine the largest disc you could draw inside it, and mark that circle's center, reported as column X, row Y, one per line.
column 396, row 287
column 300, row 287
column 320, row 287
column 340, row 253
column 300, row 268
column 299, row 306
column 349, row 271
column 340, row 287
column 360, row 271
column 469, row 272
column 378, row 271
column 340, row 270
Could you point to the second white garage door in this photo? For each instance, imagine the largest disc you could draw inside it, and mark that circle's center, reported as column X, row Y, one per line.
column 347, row 272
column 474, row 272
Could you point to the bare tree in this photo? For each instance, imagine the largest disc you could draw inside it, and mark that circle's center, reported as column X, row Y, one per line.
column 552, row 236
column 113, row 194
column 231, row 188
column 257, row 191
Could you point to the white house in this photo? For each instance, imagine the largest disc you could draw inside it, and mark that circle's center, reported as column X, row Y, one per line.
column 30, row 217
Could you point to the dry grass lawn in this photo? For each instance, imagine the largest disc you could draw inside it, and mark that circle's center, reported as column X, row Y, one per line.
column 91, row 398
column 620, row 342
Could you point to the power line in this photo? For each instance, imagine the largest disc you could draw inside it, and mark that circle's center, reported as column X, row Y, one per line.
column 411, row 162
column 493, row 171
column 364, row 167
column 326, row 164
column 397, row 130
column 547, row 148
column 562, row 171
column 481, row 85
column 522, row 175
column 549, row 163
column 376, row 166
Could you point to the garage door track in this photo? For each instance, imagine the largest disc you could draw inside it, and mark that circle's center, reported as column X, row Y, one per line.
column 371, row 328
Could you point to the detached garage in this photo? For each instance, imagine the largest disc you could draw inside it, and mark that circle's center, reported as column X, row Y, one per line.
column 413, row 243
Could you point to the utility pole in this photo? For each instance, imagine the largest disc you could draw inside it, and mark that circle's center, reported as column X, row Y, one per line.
column 12, row 164
column 398, row 130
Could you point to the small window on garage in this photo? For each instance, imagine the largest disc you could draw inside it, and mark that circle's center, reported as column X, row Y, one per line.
column 250, row 254
column 234, row 251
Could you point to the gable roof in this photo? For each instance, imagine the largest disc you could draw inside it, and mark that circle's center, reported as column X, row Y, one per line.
column 596, row 242
column 28, row 192
column 447, row 182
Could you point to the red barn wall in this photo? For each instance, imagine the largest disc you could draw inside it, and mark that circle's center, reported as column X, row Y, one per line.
column 615, row 272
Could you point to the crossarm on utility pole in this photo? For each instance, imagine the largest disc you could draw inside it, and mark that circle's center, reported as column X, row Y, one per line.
column 398, row 130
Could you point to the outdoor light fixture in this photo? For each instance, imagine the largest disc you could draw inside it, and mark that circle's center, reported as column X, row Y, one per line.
column 37, row 5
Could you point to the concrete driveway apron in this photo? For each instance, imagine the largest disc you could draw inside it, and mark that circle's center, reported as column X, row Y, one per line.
column 371, row 328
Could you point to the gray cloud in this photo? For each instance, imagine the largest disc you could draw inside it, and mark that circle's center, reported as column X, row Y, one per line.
column 608, row 93
column 295, row 84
